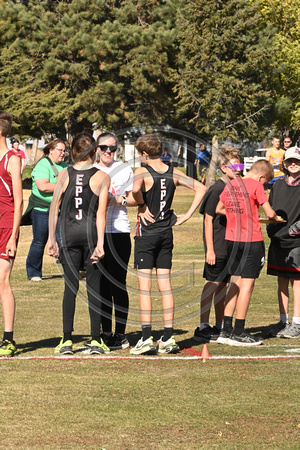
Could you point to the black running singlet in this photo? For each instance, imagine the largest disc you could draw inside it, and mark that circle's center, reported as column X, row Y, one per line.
column 159, row 201
column 78, row 210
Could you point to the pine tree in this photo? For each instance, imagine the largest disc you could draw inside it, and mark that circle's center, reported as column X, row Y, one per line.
column 225, row 67
column 68, row 64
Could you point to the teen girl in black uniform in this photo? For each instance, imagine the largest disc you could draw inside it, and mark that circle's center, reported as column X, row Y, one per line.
column 81, row 194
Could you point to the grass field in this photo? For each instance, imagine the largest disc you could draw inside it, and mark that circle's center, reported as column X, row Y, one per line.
column 147, row 403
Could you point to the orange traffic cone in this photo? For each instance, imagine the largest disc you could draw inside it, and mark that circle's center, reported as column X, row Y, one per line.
column 205, row 355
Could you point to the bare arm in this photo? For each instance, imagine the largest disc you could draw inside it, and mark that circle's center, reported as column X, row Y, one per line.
column 137, row 193
column 44, row 185
column 14, row 170
column 100, row 183
column 268, row 154
column 220, row 209
column 182, row 180
column 210, row 251
column 270, row 213
column 60, row 187
column 22, row 165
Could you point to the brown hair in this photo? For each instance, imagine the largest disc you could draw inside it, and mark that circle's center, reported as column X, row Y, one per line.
column 83, row 147
column 5, row 123
column 107, row 134
column 263, row 166
column 229, row 152
column 51, row 145
column 150, row 144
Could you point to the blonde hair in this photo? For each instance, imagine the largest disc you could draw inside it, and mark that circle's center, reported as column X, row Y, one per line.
column 228, row 152
column 263, row 166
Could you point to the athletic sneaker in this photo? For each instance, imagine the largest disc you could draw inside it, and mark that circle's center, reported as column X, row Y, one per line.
column 206, row 335
column 169, row 346
column 36, row 279
column 292, row 330
column 276, row 329
column 98, row 348
column 7, row 348
column 144, row 347
column 102, row 343
column 244, row 340
column 119, row 342
column 223, row 337
column 64, row 348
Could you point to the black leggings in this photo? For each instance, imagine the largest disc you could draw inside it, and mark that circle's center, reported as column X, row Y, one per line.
column 117, row 247
column 72, row 258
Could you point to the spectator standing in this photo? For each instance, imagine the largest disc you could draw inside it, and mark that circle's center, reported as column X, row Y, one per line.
column 44, row 178
column 166, row 157
column 18, row 151
column 275, row 155
column 203, row 160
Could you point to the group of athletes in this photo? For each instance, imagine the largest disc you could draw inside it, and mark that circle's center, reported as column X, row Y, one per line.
column 234, row 247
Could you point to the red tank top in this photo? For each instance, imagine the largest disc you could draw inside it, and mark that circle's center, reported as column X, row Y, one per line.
column 7, row 205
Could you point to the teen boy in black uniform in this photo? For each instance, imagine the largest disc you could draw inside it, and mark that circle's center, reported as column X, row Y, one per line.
column 153, row 189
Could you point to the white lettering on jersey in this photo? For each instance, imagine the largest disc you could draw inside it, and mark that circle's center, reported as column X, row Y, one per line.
column 78, row 190
column 163, row 193
column 78, row 199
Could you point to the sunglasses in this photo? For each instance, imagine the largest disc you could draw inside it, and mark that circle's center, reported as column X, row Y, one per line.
column 236, row 166
column 111, row 148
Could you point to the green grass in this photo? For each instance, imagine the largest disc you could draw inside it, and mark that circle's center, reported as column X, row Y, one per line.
column 146, row 404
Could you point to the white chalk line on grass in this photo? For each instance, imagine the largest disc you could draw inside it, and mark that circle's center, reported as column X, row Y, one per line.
column 149, row 358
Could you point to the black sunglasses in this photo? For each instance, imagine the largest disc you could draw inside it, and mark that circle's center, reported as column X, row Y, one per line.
column 104, row 148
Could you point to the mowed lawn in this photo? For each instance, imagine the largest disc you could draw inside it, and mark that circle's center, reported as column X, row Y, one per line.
column 146, row 403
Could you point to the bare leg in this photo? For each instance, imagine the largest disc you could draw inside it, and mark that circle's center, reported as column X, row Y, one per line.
column 6, row 294
column 144, row 277
column 208, row 292
column 246, row 287
column 296, row 292
column 232, row 295
column 283, row 295
column 164, row 286
column 219, row 301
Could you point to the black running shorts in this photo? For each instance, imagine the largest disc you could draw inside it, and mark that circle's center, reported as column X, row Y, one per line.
column 154, row 251
column 246, row 259
column 217, row 272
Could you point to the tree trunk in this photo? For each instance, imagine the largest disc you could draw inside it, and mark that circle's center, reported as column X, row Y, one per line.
column 33, row 153
column 211, row 178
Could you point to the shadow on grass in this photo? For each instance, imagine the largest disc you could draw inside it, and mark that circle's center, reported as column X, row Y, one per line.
column 51, row 343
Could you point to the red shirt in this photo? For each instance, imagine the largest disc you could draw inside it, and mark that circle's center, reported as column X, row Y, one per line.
column 20, row 153
column 7, row 205
column 242, row 198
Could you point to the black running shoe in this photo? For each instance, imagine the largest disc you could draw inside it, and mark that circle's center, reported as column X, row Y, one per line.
column 223, row 337
column 206, row 335
column 119, row 342
column 244, row 340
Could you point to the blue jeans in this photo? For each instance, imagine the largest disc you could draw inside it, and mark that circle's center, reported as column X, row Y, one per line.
column 40, row 230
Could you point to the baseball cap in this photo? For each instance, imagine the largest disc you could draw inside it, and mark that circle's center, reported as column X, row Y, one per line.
column 292, row 152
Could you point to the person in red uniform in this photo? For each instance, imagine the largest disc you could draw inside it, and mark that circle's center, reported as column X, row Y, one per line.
column 11, row 205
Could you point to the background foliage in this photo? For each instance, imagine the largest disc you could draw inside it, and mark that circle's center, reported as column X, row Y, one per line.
column 226, row 68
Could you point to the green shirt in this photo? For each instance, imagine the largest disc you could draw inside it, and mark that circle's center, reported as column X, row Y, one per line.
column 43, row 170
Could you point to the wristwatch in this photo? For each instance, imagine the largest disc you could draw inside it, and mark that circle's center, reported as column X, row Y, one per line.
column 124, row 201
